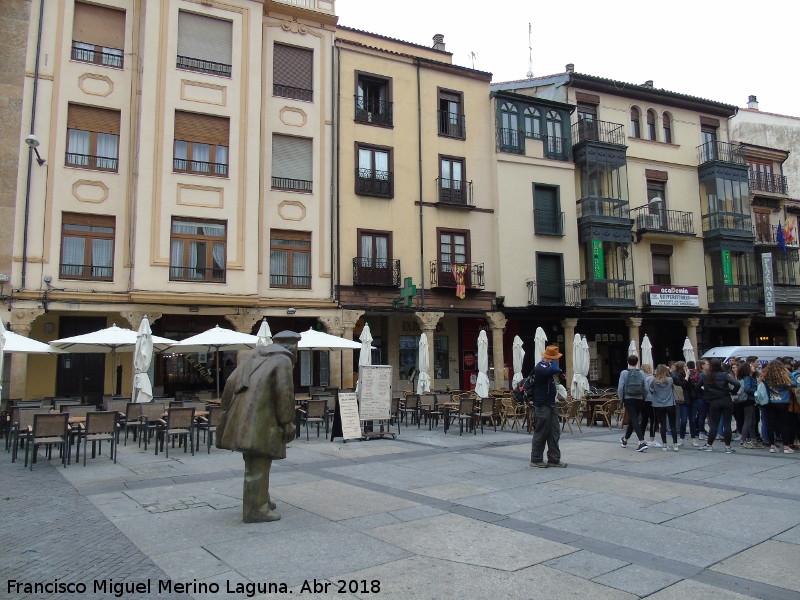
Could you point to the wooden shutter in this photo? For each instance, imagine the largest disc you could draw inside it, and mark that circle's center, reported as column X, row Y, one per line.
column 99, row 25
column 291, row 157
column 548, row 268
column 205, row 38
column 88, row 220
column 90, row 118
column 206, row 129
column 547, row 200
column 293, row 66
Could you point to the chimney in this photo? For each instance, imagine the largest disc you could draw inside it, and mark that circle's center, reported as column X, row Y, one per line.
column 438, row 42
column 570, row 67
column 648, row 83
column 752, row 102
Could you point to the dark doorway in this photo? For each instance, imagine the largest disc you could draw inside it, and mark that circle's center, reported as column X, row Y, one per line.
column 80, row 374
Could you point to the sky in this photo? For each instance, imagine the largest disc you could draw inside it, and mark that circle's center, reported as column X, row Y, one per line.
column 718, row 50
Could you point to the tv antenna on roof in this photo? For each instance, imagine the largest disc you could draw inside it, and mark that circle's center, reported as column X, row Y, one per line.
column 530, row 53
column 473, row 56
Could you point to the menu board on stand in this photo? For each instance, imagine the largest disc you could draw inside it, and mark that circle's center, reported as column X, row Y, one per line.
column 375, row 397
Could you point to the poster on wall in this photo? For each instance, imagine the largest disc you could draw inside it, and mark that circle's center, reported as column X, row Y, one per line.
column 470, row 361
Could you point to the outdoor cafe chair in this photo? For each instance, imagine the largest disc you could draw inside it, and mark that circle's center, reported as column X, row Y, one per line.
column 133, row 410
column 179, row 424
column 48, row 430
column 606, row 411
column 410, row 407
column 100, row 426
column 394, row 411
column 21, row 426
column 466, row 413
column 151, row 417
column 428, row 410
column 510, row 410
column 316, row 411
column 208, row 425
column 116, row 405
column 570, row 412
column 484, row 409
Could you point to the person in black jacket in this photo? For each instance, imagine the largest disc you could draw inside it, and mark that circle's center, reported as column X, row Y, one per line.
column 547, row 428
column 717, row 389
column 679, row 378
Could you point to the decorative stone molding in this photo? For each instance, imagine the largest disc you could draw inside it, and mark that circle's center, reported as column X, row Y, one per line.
column 350, row 319
column 95, row 85
column 244, row 323
column 292, row 210
column 333, row 324
column 790, row 325
column 135, row 317
column 634, row 322
column 497, row 320
column 84, row 190
column 569, row 324
column 205, row 93
column 293, row 117
column 294, row 27
column 22, row 319
column 428, row 320
column 693, row 322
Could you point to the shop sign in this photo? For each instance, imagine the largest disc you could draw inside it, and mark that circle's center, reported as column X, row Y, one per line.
column 598, row 262
column 673, row 295
column 727, row 270
column 769, row 285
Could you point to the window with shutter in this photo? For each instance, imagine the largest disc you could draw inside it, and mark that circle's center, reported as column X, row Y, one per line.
column 204, row 44
column 292, row 163
column 201, row 144
column 374, row 171
column 661, row 270
column 87, row 247
column 293, row 72
column 290, row 259
column 197, row 250
column 92, row 138
column 98, row 35
column 549, row 278
column 547, row 216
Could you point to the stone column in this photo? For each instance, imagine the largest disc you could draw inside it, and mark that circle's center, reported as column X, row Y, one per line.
column 691, row 332
column 428, row 322
column 569, row 339
column 333, row 325
column 497, row 321
column 633, row 324
column 21, row 322
column 244, row 322
column 349, row 320
column 744, row 331
column 791, row 332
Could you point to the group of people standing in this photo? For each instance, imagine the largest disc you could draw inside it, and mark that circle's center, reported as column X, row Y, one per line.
column 731, row 399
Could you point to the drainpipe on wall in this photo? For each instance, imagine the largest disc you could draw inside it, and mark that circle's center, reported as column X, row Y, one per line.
column 336, row 71
column 419, row 160
column 30, row 150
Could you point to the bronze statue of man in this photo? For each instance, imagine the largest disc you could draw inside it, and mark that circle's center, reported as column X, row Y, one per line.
column 258, row 418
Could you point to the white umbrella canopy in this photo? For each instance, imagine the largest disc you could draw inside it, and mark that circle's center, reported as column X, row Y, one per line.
column 540, row 343
column 647, row 351
column 423, row 379
column 15, row 342
column 142, row 356
column 633, row 349
column 482, row 385
column 580, row 367
column 319, row 340
column 365, row 358
column 688, row 351
column 264, row 334
column 518, row 355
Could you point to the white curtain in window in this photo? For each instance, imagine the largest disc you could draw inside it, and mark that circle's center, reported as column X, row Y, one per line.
column 112, row 57
column 365, row 159
column 219, row 259
column 366, row 250
column 459, row 249
column 73, row 255
column 107, row 149
column 176, row 258
column 279, row 265
column 221, row 158
column 300, row 268
column 382, row 165
column 457, row 175
column 83, row 51
column 197, row 255
column 78, row 145
column 102, row 258
column 381, row 252
column 201, row 155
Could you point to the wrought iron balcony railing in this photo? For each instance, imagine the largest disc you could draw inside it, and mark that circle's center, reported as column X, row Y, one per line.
column 511, row 140
column 589, row 130
column 90, row 161
column 452, row 124
column 374, row 183
column 603, row 207
column 728, row 220
column 454, row 192
column 290, row 281
column 546, row 222
column 736, row 295
column 94, row 272
column 768, row 182
column 767, row 235
column 287, row 183
column 99, row 55
column 442, row 275
column 556, row 147
column 554, row 293
column 181, row 165
column 675, row 222
column 376, row 271
column 607, row 291
column 372, row 110
column 720, row 151
column 196, row 274
column 293, row 93
column 205, row 66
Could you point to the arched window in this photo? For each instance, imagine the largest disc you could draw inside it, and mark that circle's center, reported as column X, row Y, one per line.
column 509, row 124
column 667, row 120
column 651, row 125
column 555, row 139
column 636, row 130
column 533, row 126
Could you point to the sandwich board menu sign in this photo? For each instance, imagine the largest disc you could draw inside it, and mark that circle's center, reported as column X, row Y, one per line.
column 375, row 392
column 348, row 412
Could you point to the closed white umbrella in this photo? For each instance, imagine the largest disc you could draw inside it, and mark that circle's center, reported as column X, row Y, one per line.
column 633, row 349
column 580, row 367
column 647, row 351
column 518, row 355
column 482, row 385
column 539, row 344
column 264, row 335
column 365, row 358
column 423, row 379
column 142, row 356
column 688, row 351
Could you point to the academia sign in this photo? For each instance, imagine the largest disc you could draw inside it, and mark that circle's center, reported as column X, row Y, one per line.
column 671, row 295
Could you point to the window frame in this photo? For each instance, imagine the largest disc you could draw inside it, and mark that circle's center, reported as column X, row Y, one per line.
column 361, row 190
column 452, row 195
column 652, row 133
column 299, row 185
column 202, row 65
column 386, row 117
column 538, row 228
column 298, row 93
column 636, row 122
column 661, row 253
column 88, row 220
column 666, row 121
column 209, row 240
column 446, row 278
column 561, row 281
column 295, row 235
column 92, row 159
column 447, row 128
column 215, row 168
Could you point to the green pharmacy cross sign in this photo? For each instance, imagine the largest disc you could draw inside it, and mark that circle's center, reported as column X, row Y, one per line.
column 407, row 293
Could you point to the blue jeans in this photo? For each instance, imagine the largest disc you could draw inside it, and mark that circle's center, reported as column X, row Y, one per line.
column 702, row 411
column 683, row 411
column 764, row 428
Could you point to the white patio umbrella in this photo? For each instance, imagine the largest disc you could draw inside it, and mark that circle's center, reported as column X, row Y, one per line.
column 482, row 385
column 111, row 339
column 142, row 356
column 365, row 358
column 319, row 340
column 688, row 351
column 11, row 342
column 580, row 367
column 264, row 334
column 647, row 351
column 216, row 339
column 633, row 349
column 423, row 379
column 540, row 343
column 517, row 355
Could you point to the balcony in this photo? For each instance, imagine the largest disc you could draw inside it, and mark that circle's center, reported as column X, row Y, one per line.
column 293, row 93
column 374, row 183
column 603, row 208
column 196, row 274
column 320, row 6
column 510, row 140
column 453, row 192
column 554, row 293
column 287, row 183
column 729, row 224
column 379, row 272
column 733, row 298
column 93, row 272
column 452, row 124
column 99, row 55
column 373, row 111
column 720, row 152
column 548, row 223
column 767, row 235
column 784, row 294
column 89, row 161
column 767, row 182
column 199, row 167
column 442, row 276
column 586, row 130
column 204, row 66
column 662, row 222
column 607, row 293
column 670, row 297
column 556, row 148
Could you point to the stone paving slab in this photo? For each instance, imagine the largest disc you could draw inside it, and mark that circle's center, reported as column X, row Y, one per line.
column 637, row 580
column 586, row 564
column 450, row 491
column 692, row 589
column 513, row 500
column 770, row 562
column 791, row 535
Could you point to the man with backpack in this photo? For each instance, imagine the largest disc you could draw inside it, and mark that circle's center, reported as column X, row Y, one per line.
column 541, row 392
column 633, row 393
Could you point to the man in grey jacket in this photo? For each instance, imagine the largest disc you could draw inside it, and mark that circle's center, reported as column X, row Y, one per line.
column 633, row 396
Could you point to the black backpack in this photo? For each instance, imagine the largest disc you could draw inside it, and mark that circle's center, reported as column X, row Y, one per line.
column 634, row 385
column 527, row 385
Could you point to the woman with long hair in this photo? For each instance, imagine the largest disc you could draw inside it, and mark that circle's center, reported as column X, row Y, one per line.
column 748, row 431
column 648, row 413
column 664, row 405
column 717, row 389
column 775, row 377
column 680, row 377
